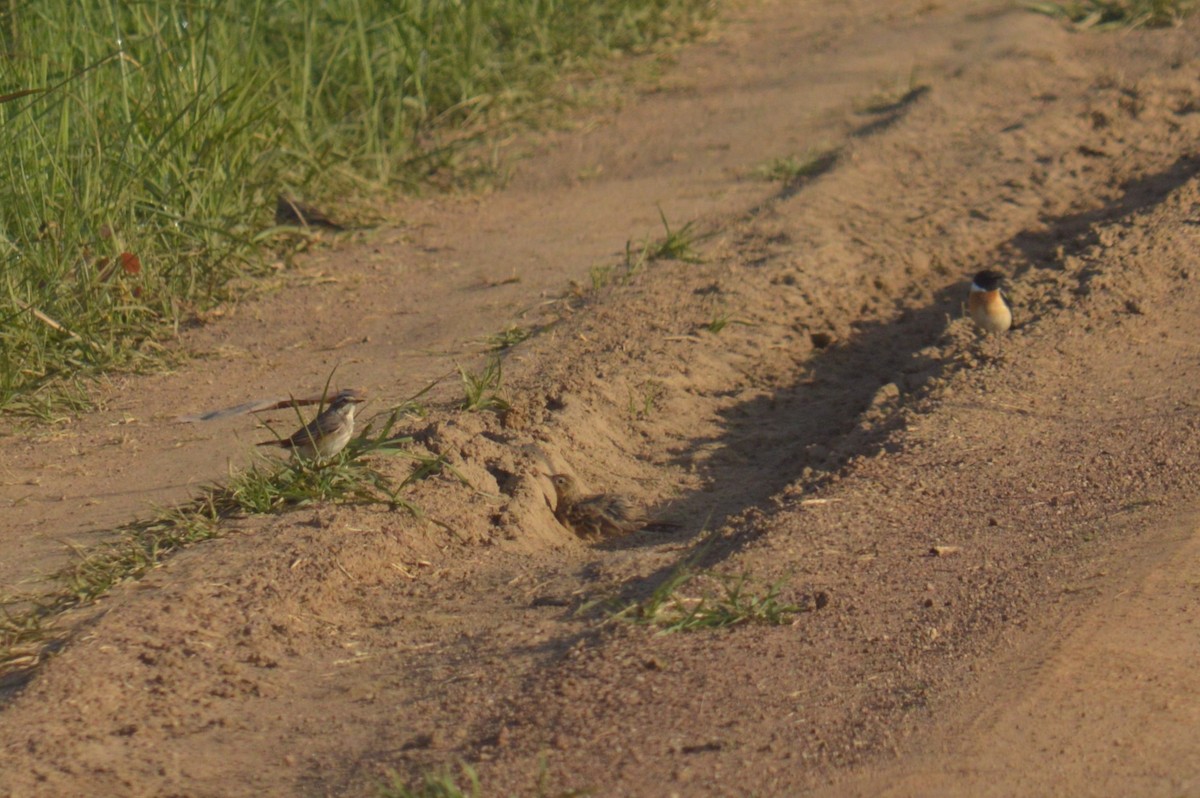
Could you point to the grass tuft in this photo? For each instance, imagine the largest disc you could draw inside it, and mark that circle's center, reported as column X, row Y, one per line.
column 483, row 390
column 722, row 319
column 442, row 784
column 600, row 276
column 508, row 337
column 737, row 601
column 677, row 245
column 635, row 259
column 426, row 466
column 647, row 400
column 1109, row 14
column 271, row 486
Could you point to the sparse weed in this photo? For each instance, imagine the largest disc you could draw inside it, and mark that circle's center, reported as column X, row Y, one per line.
column 483, row 390
column 790, row 168
column 736, row 603
column 427, row 466
column 601, row 276
column 412, row 406
column 1107, row 14
column 142, row 547
column 635, row 261
column 442, row 784
column 677, row 245
column 719, row 322
column 508, row 337
column 646, row 402
column 722, row 319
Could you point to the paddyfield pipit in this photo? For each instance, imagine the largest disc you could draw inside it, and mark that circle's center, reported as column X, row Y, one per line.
column 597, row 515
column 328, row 433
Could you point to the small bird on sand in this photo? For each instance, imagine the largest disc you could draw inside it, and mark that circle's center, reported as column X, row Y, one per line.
column 328, row 433
column 597, row 515
column 986, row 303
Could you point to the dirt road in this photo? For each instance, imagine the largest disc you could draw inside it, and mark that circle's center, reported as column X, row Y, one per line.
column 843, row 424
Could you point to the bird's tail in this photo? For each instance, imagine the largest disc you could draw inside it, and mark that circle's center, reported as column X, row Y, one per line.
column 274, row 443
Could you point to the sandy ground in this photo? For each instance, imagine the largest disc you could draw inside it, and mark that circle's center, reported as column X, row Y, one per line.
column 846, row 422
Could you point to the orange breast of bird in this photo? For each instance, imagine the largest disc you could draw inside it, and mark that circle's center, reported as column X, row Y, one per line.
column 989, row 311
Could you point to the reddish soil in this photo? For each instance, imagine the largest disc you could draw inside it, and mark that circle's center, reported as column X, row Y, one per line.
column 846, row 423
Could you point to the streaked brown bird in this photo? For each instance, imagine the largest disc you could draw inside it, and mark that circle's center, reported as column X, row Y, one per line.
column 328, row 433
column 986, row 304
column 597, row 515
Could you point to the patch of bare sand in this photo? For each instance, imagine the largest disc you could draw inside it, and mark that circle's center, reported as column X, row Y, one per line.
column 1103, row 703
column 311, row 653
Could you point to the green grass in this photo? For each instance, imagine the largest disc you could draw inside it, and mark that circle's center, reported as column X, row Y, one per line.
column 143, row 145
column 70, row 397
column 634, row 261
column 483, row 391
column 677, row 244
column 644, row 403
column 269, row 486
column 442, row 784
column 722, row 319
column 508, row 337
column 600, row 276
column 1107, row 14
column 426, row 466
column 736, row 601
